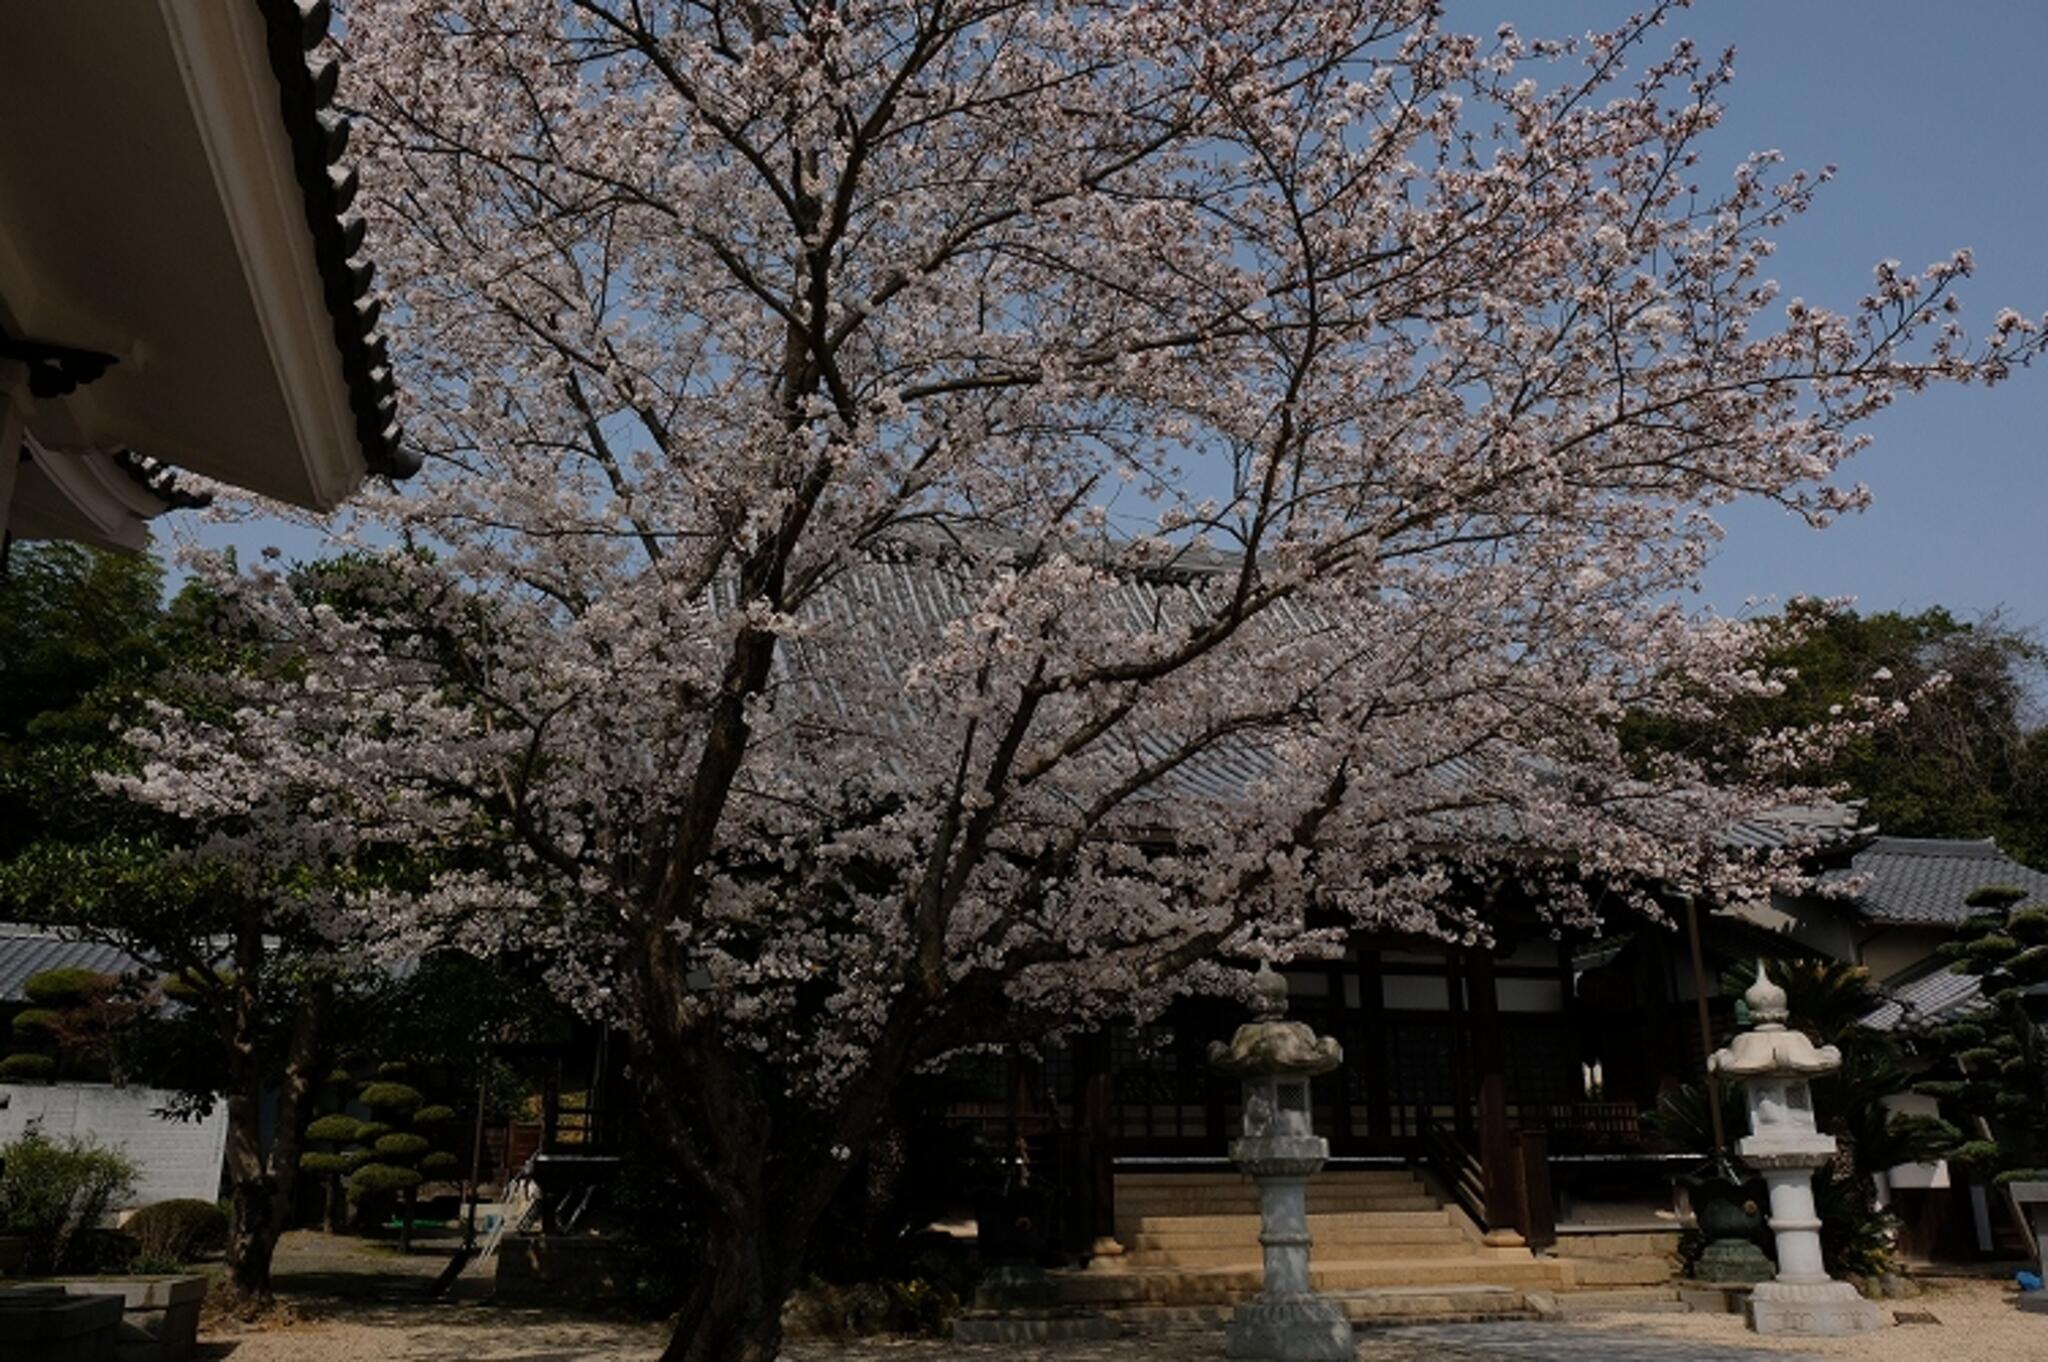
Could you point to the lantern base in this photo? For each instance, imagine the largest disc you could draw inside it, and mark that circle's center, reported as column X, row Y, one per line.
column 1289, row 1329
column 1811, row 1310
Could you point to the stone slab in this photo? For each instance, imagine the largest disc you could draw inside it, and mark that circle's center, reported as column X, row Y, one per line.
column 1819, row 1310
column 1020, row 1327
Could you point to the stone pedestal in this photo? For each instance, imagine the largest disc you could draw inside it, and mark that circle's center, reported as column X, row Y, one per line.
column 1275, row 1058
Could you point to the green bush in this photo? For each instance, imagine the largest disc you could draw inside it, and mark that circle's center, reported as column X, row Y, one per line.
column 338, row 1128
column 178, row 1231
column 383, row 1177
column 55, row 1193
column 327, row 1165
column 402, row 1146
column 440, row 1161
column 27, row 1068
column 66, row 987
column 37, row 1025
column 390, row 1096
column 369, row 1132
column 433, row 1116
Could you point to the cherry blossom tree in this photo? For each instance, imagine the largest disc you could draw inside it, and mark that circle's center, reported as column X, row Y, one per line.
column 948, row 519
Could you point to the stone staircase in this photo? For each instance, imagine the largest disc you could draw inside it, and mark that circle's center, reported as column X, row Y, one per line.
column 1383, row 1244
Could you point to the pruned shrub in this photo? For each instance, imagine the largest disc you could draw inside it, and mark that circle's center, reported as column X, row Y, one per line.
column 37, row 1025
column 440, row 1161
column 338, row 1128
column 65, row 987
column 178, row 1231
column 436, row 1115
column 28, row 1068
column 369, row 1132
column 326, row 1165
column 384, row 1096
column 55, row 1193
column 383, row 1177
column 402, row 1146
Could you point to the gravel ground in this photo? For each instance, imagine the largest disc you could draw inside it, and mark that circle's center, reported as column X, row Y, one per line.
column 347, row 1303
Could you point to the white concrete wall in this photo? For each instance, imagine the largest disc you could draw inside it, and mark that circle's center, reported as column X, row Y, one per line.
column 173, row 1158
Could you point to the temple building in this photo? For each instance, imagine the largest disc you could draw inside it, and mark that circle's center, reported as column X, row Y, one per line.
column 181, row 284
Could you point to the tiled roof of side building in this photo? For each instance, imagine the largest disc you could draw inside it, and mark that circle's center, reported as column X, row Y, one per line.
column 1927, row 999
column 1920, row 881
column 26, row 951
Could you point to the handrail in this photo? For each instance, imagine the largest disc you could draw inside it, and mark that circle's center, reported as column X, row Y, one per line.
column 1457, row 1168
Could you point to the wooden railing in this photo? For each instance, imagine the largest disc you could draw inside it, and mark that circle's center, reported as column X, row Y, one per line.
column 1456, row 1168
column 1517, row 1197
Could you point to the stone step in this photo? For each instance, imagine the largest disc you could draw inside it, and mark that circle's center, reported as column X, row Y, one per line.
column 1249, row 1254
column 1340, row 1178
column 1649, row 1300
column 1434, row 1305
column 1132, row 1208
column 1223, row 1285
column 1318, row 1222
column 1393, row 1236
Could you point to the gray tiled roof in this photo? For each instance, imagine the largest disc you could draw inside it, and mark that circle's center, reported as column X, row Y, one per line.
column 1925, row 881
column 26, row 951
column 1928, row 998
column 890, row 605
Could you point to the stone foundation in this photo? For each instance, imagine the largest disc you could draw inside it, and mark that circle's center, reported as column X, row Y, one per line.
column 1298, row 1328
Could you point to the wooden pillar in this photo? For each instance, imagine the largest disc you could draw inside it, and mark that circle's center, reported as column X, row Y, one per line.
column 1455, row 971
column 1372, row 1042
column 1098, row 1143
column 1495, row 1148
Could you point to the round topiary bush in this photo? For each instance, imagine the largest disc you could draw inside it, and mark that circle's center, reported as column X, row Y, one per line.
column 390, row 1096
column 326, row 1165
column 440, row 1161
column 178, row 1231
column 369, row 1132
column 395, row 1068
column 337, row 1127
column 65, row 987
column 433, row 1116
column 37, row 1025
column 402, row 1146
column 383, row 1177
column 28, row 1069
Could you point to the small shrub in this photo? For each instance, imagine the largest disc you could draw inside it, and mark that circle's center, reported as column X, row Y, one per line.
column 152, row 1265
column 369, row 1132
column 327, row 1165
column 28, row 1068
column 338, row 1128
column 440, row 1161
column 433, row 1116
column 54, row 1194
column 37, row 1026
column 390, row 1096
column 180, row 1230
column 394, row 1068
column 65, row 987
column 402, row 1146
column 383, row 1177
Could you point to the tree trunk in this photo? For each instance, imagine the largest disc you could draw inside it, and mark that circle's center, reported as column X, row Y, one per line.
column 406, row 1201
column 261, row 1179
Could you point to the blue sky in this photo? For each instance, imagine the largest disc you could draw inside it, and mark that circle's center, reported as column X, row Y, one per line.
column 1930, row 109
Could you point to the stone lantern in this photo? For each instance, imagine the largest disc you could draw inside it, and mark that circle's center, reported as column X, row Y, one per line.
column 1275, row 1059
column 1775, row 1066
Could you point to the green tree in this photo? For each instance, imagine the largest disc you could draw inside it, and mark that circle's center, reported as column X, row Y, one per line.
column 1967, row 760
column 1988, row 1065
column 86, row 645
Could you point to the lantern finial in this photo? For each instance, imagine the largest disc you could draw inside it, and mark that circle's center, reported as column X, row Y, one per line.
column 1767, row 1002
column 1269, row 993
